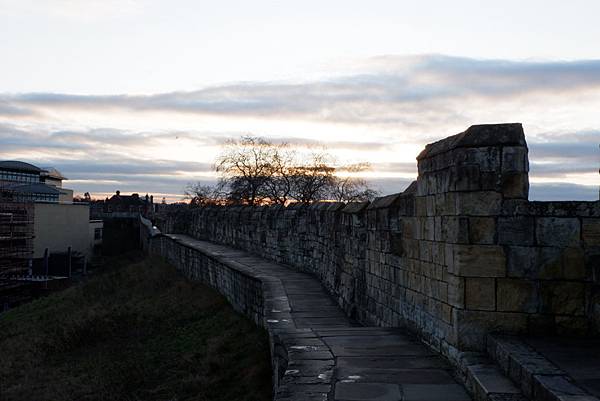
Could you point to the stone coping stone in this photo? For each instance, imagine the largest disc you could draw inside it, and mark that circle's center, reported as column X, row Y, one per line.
column 539, row 378
column 330, row 206
column 521, row 207
column 477, row 136
column 355, row 207
column 393, row 199
column 384, row 201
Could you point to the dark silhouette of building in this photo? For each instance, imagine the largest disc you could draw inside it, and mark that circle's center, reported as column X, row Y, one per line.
column 121, row 204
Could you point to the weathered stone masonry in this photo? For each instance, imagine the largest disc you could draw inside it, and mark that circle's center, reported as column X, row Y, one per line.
column 459, row 254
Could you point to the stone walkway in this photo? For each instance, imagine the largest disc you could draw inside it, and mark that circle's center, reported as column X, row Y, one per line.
column 330, row 357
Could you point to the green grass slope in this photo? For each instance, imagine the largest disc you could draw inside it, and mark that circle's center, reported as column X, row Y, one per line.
column 137, row 332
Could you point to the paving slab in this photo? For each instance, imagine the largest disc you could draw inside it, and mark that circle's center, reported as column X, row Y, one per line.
column 434, row 392
column 348, row 391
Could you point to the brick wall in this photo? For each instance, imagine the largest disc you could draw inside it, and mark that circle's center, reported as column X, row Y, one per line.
column 460, row 253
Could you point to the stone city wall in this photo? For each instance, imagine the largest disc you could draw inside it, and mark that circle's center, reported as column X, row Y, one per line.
column 459, row 254
column 243, row 291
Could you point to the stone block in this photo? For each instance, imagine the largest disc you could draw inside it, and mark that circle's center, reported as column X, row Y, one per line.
column 514, row 159
column 558, row 231
column 477, row 136
column 409, row 227
column 480, row 203
column 487, row 158
column 438, row 253
column 482, row 230
column 547, row 263
column 438, row 228
column 447, row 313
column 473, row 326
column 516, row 295
column 521, row 261
column 515, row 185
column 480, row 294
column 426, row 228
column 454, row 229
column 397, row 244
column 478, row 261
column 445, row 204
column 591, row 232
column 430, row 205
column 456, row 290
column 571, row 325
column 489, row 380
column 518, row 230
column 574, row 264
column 541, row 325
column 421, row 206
column 425, row 252
column 465, row 178
column 490, row 181
column 563, row 298
column 557, row 387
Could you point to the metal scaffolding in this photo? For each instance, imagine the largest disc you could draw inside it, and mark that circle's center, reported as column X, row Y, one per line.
column 16, row 241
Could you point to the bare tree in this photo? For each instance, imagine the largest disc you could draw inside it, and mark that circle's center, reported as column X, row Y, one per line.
column 254, row 171
column 245, row 166
column 203, row 195
column 348, row 187
column 279, row 187
column 312, row 180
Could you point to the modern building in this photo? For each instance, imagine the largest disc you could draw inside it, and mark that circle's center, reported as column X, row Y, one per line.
column 53, row 178
column 23, row 182
column 59, row 225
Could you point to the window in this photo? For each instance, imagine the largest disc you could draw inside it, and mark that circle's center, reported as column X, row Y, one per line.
column 19, row 177
column 97, row 233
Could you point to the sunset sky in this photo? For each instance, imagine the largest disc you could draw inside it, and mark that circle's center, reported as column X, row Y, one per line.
column 138, row 96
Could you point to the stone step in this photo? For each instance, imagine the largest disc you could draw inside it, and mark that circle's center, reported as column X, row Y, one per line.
column 538, row 378
column 485, row 380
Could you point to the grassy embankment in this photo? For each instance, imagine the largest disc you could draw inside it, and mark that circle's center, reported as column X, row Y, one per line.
column 136, row 332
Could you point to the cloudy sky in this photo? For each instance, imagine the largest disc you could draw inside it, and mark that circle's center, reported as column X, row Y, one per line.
column 139, row 95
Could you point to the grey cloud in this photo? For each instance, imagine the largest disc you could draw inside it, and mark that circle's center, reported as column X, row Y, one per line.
column 561, row 170
column 9, row 110
column 562, row 192
column 558, row 159
column 306, row 142
column 396, row 167
column 566, row 150
column 14, row 138
column 388, row 186
column 80, row 169
column 391, row 91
